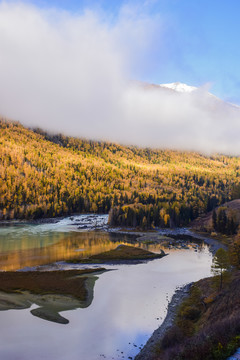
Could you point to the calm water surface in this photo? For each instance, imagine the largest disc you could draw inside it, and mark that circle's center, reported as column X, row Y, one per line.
column 129, row 303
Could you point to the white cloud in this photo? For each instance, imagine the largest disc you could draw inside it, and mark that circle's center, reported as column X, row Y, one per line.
column 191, row 121
column 69, row 73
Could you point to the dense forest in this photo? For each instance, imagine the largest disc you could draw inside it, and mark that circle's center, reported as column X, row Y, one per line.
column 223, row 222
column 43, row 175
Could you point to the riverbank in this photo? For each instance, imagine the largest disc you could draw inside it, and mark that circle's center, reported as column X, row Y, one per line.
column 172, row 237
column 96, row 222
column 148, row 351
column 52, row 291
column 52, row 220
column 67, row 282
column 205, row 325
column 140, row 293
column 48, row 220
column 189, row 234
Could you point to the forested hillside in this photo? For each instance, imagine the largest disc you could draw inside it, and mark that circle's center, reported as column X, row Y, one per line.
column 42, row 175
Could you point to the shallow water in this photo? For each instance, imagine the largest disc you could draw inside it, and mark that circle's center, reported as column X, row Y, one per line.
column 128, row 304
column 24, row 246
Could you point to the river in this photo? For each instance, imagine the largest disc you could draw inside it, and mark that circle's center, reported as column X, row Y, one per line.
column 128, row 303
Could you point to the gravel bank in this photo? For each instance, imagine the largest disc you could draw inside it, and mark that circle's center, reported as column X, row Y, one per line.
column 148, row 351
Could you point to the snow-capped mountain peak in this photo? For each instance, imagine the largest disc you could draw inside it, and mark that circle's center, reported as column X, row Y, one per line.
column 179, row 87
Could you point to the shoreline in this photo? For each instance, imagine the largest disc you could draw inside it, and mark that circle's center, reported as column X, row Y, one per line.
column 191, row 234
column 47, row 220
column 118, row 262
column 148, row 351
column 186, row 233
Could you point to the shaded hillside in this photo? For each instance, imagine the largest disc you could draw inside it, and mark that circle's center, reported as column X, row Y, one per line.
column 207, row 324
column 231, row 209
column 44, row 175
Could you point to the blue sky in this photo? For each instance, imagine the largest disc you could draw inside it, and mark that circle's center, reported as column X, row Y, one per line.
column 201, row 40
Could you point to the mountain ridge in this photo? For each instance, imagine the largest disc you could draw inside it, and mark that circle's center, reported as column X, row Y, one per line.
column 182, row 89
column 44, row 175
column 179, row 87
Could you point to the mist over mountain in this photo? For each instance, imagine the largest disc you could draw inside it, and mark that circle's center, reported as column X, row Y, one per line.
column 180, row 116
column 72, row 76
column 167, row 116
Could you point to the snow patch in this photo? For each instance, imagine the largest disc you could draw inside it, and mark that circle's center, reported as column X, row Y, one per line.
column 179, row 87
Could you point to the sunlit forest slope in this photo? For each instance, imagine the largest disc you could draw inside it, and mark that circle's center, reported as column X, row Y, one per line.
column 44, row 175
